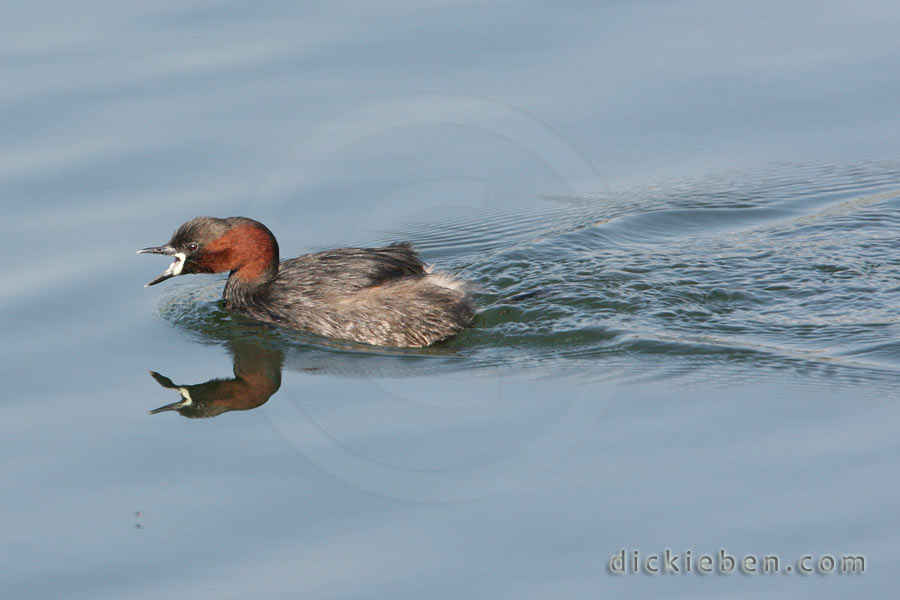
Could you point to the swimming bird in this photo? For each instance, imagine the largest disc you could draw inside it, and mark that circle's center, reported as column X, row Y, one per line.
column 382, row 296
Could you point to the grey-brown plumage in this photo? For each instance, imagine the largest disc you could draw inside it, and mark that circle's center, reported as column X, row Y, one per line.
column 383, row 296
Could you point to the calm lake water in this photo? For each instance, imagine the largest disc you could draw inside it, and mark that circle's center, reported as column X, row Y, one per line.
column 682, row 220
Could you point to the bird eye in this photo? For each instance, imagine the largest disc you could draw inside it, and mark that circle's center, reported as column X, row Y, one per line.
column 192, row 247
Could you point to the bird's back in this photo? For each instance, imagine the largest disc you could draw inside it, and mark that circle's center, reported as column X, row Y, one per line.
column 383, row 296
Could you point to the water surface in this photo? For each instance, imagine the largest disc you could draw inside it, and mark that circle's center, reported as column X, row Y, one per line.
column 682, row 223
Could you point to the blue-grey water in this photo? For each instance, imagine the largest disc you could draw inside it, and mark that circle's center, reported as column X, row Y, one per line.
column 681, row 220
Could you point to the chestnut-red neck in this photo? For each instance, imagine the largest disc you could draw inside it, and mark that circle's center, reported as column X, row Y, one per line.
column 248, row 250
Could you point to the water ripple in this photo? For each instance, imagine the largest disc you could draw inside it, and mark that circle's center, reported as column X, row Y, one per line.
column 718, row 279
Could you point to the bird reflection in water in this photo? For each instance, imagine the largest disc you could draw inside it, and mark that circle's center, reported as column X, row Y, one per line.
column 257, row 376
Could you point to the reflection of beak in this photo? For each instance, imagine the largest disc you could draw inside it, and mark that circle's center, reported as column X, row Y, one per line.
column 173, row 406
column 167, row 383
column 174, row 269
column 185, row 396
column 163, row 380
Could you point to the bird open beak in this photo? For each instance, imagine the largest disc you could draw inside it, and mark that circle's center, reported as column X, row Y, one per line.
column 173, row 270
column 168, row 384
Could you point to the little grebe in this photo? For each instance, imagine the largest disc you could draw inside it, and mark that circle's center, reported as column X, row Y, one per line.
column 382, row 296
